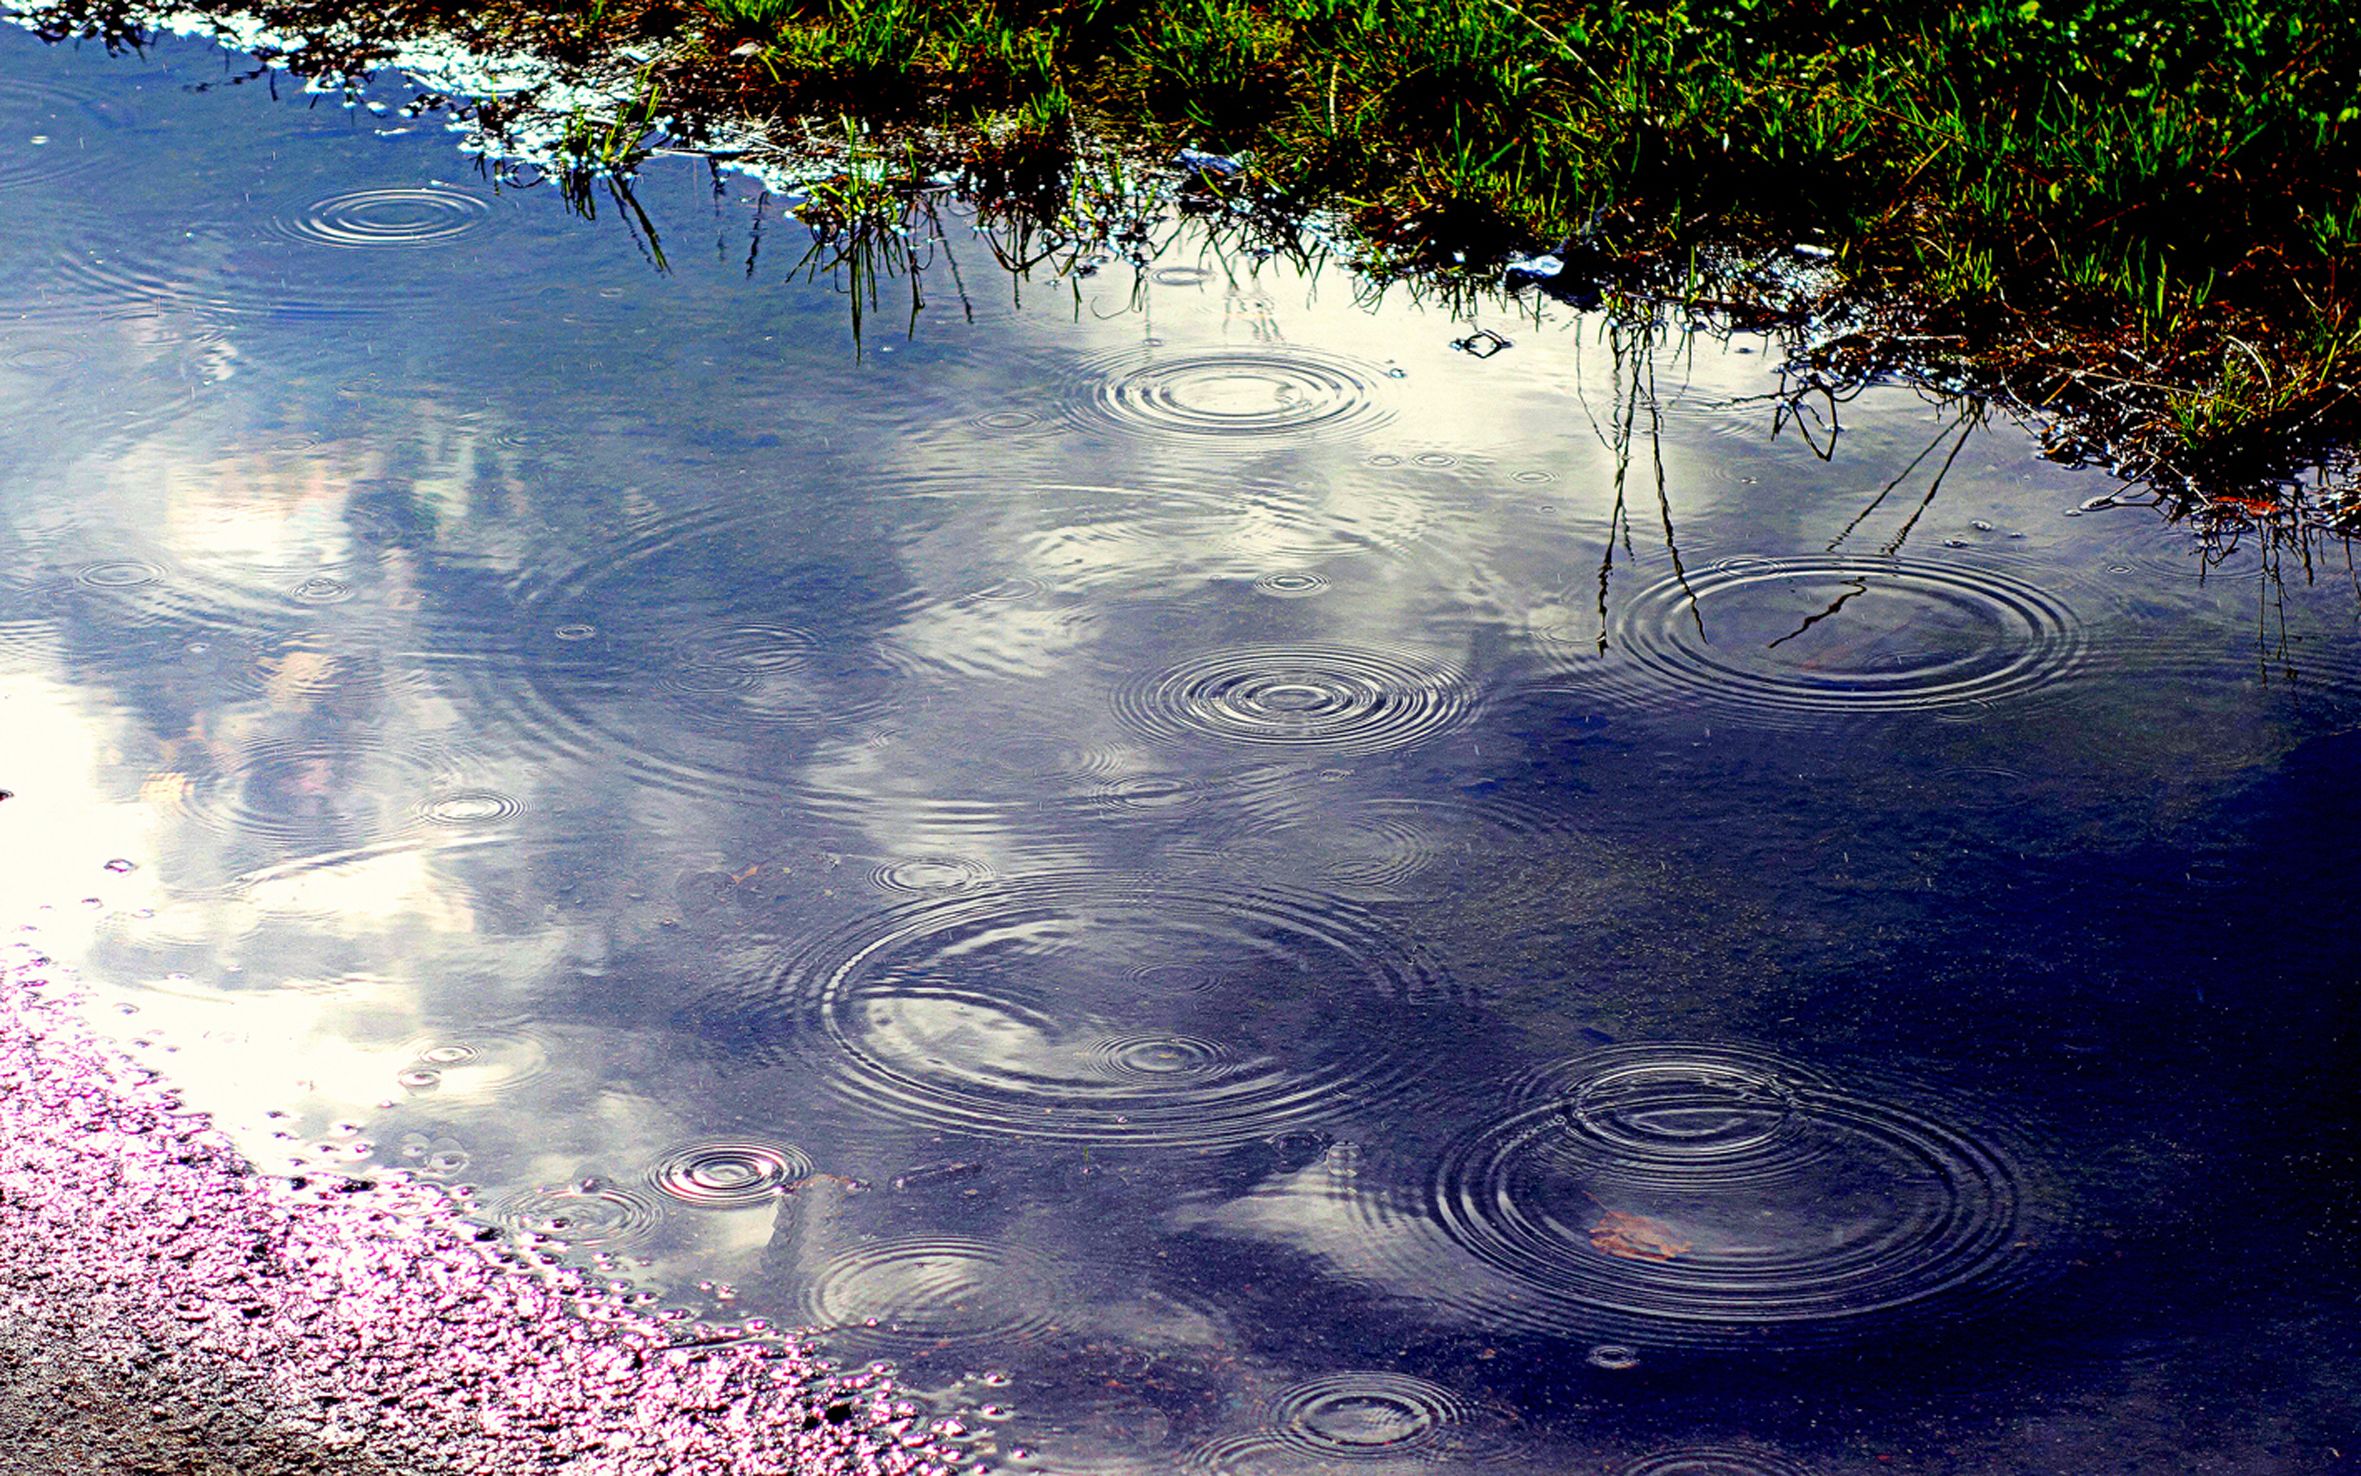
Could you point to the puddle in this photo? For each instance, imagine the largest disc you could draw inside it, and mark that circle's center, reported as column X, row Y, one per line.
column 1225, row 884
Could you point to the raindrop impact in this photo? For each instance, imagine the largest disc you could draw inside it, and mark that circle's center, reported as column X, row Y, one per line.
column 1702, row 1194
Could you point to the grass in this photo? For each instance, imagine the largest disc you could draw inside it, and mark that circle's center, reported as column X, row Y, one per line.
column 2140, row 215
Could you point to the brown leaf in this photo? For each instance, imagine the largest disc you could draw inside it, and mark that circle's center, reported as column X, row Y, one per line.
column 1632, row 1237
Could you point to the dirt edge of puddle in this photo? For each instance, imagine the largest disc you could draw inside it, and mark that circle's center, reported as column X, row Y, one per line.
column 166, row 1308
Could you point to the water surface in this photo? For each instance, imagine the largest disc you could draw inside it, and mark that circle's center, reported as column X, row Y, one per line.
column 1230, row 887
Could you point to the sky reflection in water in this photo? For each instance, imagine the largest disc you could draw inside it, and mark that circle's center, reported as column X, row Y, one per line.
column 1180, row 859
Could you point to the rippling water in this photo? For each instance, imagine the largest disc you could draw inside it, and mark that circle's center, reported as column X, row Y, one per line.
column 1233, row 889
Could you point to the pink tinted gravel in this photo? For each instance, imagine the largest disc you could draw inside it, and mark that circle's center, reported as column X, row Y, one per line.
column 371, row 1316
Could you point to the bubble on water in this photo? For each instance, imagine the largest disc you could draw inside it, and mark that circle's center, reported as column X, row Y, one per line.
column 1613, row 1357
column 1349, row 699
column 122, row 866
column 1266, row 391
column 443, row 1163
column 731, row 1174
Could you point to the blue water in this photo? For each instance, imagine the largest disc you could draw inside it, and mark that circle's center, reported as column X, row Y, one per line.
column 1228, row 886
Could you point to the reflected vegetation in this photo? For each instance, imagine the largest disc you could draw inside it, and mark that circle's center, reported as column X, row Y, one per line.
column 1233, row 886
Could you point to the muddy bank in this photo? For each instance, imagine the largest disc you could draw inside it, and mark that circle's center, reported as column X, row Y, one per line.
column 166, row 1308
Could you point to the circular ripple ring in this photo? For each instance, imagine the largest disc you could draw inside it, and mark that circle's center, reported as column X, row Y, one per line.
column 1265, row 391
column 929, row 1291
column 1846, row 635
column 390, row 219
column 1048, row 1009
column 730, row 1175
column 1343, row 699
column 1704, row 1193
column 1712, row 1460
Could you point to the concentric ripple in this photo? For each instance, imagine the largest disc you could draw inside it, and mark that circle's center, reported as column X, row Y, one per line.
column 703, row 652
column 1702, row 1193
column 1048, row 1010
column 205, row 277
column 1364, row 1419
column 1367, row 1415
column 342, row 790
column 589, row 1214
column 1148, row 794
column 119, row 574
column 1154, row 1056
column 483, row 1064
column 752, row 666
column 920, row 876
column 1291, row 584
column 471, row 807
column 731, row 1174
column 141, row 593
column 1842, row 635
column 1712, row 1460
column 50, row 146
column 1265, row 391
column 1342, row 699
column 1401, row 848
column 394, row 219
column 930, row 1290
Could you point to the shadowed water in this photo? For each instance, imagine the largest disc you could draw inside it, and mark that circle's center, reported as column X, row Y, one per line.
column 1230, row 887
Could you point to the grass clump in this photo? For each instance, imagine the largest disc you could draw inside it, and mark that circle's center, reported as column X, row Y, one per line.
column 2090, row 195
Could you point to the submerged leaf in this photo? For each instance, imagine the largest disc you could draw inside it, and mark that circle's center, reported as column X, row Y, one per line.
column 1632, row 1237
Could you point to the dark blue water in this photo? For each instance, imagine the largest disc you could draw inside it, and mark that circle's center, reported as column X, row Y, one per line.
column 1231, row 888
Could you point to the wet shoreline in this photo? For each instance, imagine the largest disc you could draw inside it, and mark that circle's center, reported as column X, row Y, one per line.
column 166, row 1307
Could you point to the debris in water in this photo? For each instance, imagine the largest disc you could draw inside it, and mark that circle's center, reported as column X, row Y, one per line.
column 1482, row 344
column 1212, row 168
column 1631, row 1237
